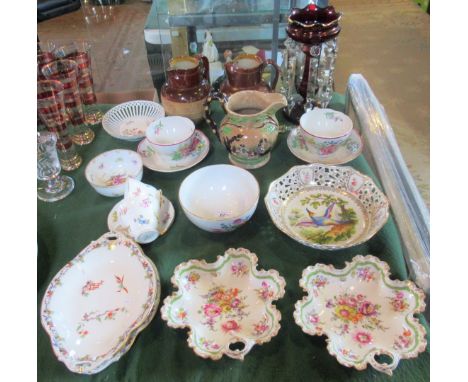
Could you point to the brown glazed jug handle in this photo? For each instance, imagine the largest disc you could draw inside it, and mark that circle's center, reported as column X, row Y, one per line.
column 206, row 67
column 208, row 116
column 273, row 79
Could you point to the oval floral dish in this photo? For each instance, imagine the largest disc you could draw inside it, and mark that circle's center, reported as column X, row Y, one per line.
column 114, row 289
column 227, row 305
column 327, row 207
column 362, row 312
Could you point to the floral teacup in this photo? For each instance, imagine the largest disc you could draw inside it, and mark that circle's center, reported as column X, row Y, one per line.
column 325, row 129
column 172, row 137
column 141, row 211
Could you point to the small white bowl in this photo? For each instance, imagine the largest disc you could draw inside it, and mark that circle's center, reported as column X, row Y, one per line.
column 109, row 171
column 171, row 136
column 129, row 120
column 219, row 198
column 325, row 129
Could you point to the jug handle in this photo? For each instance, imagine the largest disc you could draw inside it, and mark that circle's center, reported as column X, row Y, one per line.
column 206, row 67
column 273, row 79
column 208, row 116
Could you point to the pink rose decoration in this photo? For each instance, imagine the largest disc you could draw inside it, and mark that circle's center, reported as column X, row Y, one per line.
column 235, row 303
column 212, row 310
column 363, row 338
column 230, row 325
column 367, row 308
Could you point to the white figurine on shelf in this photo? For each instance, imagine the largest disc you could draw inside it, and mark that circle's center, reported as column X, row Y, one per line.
column 211, row 52
column 209, row 48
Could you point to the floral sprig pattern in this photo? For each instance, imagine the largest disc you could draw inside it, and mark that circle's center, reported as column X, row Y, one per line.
column 90, row 286
column 364, row 274
column 120, row 284
column 261, row 327
column 314, row 319
column 399, row 302
column 208, row 344
column 223, row 303
column 182, row 315
column 239, row 269
column 264, row 292
column 95, row 316
column 116, row 180
column 404, row 340
column 191, row 279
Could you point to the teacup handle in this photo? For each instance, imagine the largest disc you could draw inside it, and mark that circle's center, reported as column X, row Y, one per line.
column 208, row 115
column 277, row 70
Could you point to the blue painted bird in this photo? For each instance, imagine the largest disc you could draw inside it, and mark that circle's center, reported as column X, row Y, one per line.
column 325, row 220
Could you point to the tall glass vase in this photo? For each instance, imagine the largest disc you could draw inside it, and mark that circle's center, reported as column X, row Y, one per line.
column 66, row 71
column 51, row 111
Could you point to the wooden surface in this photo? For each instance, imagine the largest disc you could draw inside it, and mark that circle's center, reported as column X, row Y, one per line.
column 385, row 40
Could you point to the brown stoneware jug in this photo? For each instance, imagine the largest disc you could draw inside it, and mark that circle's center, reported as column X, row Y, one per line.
column 245, row 73
column 187, row 87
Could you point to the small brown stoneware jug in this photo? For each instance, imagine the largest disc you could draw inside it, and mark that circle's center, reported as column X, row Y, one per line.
column 250, row 129
column 187, row 87
column 245, row 73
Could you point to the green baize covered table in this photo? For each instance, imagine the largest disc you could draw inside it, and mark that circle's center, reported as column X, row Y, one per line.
column 161, row 353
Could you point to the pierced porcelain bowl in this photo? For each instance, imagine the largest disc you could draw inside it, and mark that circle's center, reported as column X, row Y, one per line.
column 225, row 304
column 327, row 207
column 362, row 312
column 129, row 120
column 219, row 198
column 108, row 172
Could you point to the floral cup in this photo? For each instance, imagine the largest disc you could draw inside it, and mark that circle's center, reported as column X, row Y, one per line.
column 141, row 213
column 325, row 129
column 172, row 137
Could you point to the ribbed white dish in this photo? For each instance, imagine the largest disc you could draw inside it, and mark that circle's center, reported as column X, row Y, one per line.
column 129, row 120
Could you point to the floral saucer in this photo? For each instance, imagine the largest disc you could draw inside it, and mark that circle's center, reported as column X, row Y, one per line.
column 326, row 207
column 227, row 305
column 115, row 289
column 167, row 215
column 346, row 152
column 183, row 160
column 362, row 312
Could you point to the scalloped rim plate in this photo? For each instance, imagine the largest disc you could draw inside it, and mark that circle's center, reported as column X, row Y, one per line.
column 225, row 302
column 362, row 312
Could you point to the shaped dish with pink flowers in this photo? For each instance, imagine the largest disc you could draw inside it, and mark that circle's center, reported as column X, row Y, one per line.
column 227, row 305
column 115, row 291
column 363, row 313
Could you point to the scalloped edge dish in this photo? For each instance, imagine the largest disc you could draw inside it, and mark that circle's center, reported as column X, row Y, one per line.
column 212, row 302
column 362, row 312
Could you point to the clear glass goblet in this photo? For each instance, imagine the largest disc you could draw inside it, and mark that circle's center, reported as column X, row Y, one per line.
column 52, row 186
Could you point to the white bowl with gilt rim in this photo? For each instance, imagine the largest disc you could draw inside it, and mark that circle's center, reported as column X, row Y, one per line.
column 219, row 198
column 327, row 207
column 227, row 305
column 108, row 172
column 363, row 313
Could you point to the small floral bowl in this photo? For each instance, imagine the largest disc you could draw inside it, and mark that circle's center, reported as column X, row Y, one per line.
column 172, row 137
column 325, row 129
column 109, row 171
column 219, row 198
